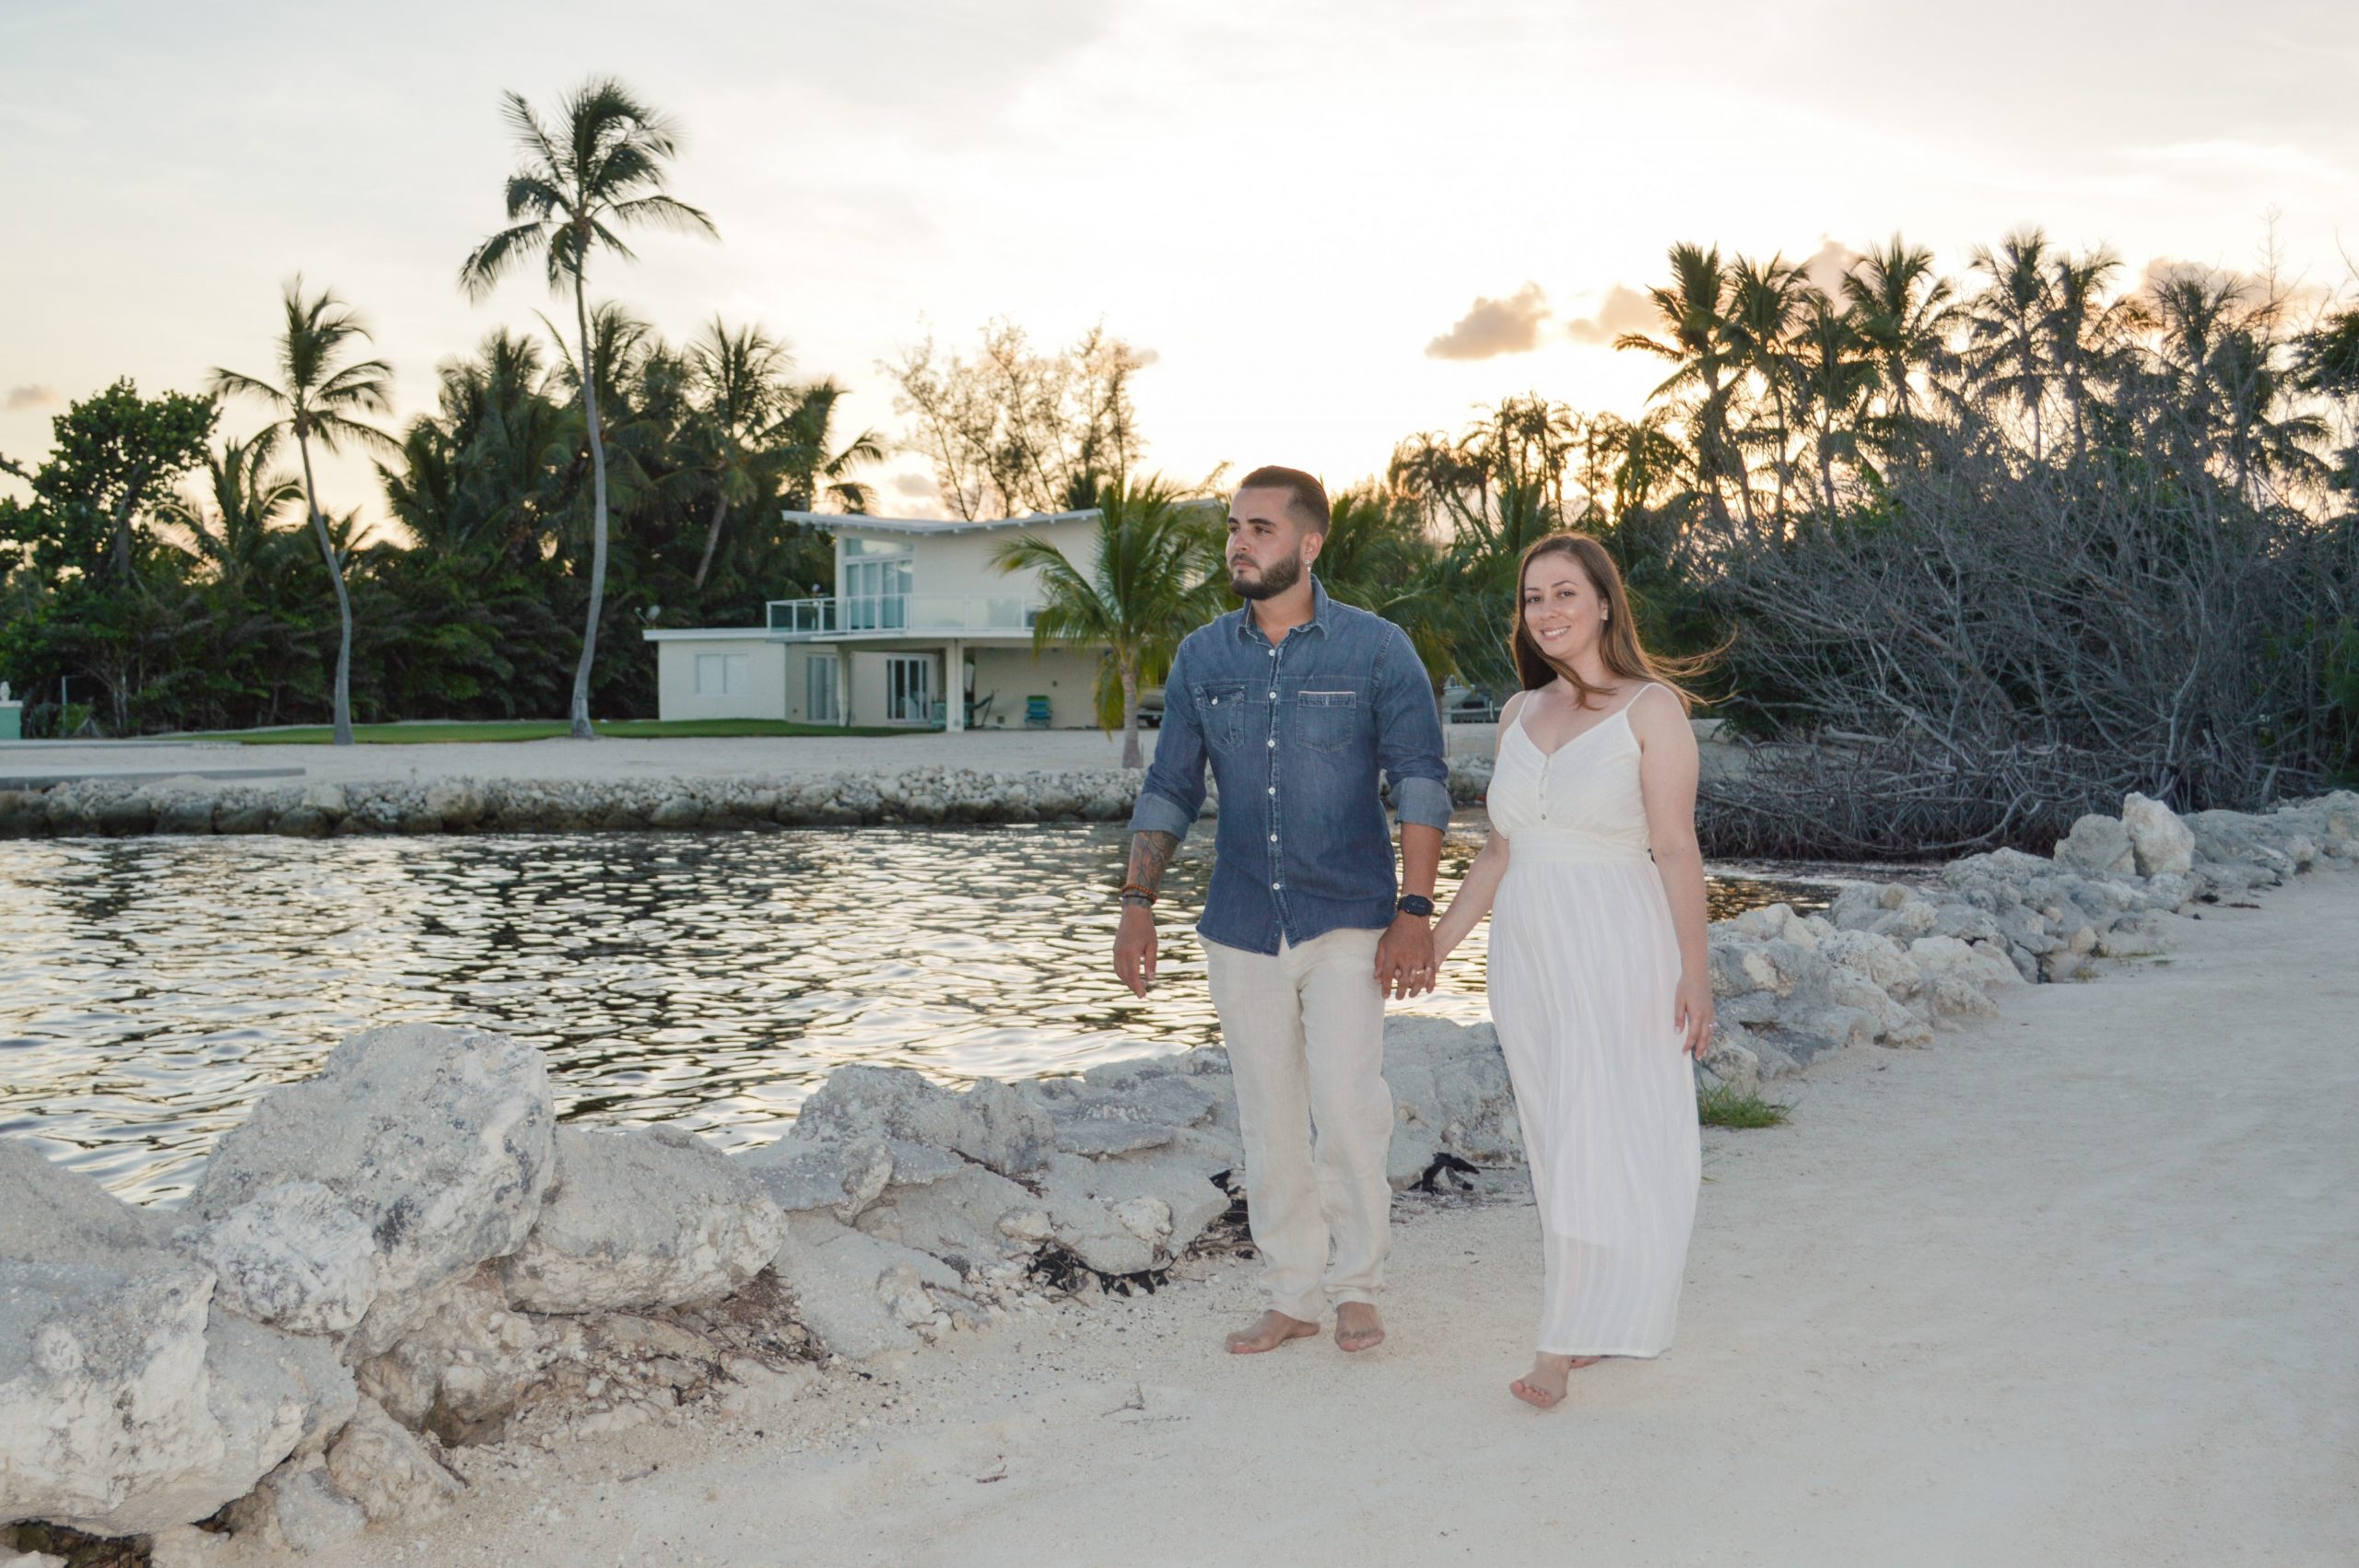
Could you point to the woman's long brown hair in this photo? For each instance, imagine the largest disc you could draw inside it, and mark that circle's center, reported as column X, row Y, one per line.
column 1619, row 645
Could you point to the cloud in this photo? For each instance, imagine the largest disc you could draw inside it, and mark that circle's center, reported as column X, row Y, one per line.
column 918, row 487
column 1827, row 265
column 1623, row 310
column 25, row 397
column 1494, row 327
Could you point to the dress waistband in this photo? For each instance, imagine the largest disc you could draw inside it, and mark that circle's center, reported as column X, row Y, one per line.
column 1578, row 847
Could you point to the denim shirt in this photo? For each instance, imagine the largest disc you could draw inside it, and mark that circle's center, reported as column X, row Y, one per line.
column 1296, row 734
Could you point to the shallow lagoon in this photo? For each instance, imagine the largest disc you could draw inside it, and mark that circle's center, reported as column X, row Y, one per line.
column 151, row 987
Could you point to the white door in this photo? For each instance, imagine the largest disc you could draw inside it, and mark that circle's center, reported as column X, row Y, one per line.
column 820, row 690
column 909, row 688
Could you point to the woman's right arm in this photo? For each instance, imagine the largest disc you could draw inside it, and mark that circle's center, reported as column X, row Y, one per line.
column 1481, row 883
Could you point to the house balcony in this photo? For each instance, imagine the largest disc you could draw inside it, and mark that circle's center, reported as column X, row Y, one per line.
column 901, row 614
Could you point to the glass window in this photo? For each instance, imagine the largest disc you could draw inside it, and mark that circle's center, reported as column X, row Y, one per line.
column 724, row 674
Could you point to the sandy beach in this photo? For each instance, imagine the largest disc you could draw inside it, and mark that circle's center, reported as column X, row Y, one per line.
column 2072, row 1286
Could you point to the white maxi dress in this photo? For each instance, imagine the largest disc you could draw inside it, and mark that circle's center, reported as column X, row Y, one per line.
column 1584, row 966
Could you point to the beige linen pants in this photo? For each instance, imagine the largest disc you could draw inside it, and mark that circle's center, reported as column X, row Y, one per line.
column 1305, row 1031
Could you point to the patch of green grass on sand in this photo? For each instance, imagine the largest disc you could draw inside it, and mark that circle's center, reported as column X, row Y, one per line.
column 1723, row 1106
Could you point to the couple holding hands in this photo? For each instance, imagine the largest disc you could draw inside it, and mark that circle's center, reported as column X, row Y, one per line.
column 1598, row 984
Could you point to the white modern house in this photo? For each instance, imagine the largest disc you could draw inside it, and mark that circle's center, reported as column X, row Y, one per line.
column 918, row 615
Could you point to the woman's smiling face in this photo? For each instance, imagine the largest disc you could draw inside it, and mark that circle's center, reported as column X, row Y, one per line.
column 1561, row 612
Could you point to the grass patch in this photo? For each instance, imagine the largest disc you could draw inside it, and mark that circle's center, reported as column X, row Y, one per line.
column 536, row 730
column 1724, row 1106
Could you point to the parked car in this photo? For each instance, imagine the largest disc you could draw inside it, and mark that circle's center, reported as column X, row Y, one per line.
column 1151, row 708
column 1465, row 705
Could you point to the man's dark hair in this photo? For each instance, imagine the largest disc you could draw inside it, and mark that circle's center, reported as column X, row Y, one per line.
column 1305, row 495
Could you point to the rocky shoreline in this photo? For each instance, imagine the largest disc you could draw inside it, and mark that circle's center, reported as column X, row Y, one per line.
column 397, row 1262
column 116, row 808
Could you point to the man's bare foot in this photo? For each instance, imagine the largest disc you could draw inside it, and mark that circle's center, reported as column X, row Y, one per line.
column 1543, row 1385
column 1267, row 1332
column 1357, row 1327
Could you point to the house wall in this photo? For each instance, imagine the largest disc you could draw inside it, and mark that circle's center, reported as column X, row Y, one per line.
column 960, row 564
column 799, row 660
column 765, row 693
column 1062, row 674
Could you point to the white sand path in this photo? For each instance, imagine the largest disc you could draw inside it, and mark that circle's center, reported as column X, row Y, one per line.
column 2079, row 1286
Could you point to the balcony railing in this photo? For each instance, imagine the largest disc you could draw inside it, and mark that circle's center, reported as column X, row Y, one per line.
column 900, row 612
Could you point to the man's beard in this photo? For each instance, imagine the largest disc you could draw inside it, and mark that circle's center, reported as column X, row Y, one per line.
column 1273, row 580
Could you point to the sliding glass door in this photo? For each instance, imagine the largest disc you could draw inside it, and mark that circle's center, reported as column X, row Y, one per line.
column 909, row 688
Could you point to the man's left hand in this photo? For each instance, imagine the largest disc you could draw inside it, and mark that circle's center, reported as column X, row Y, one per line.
column 1405, row 957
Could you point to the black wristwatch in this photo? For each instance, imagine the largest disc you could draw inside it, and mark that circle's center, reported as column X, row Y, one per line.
column 1415, row 904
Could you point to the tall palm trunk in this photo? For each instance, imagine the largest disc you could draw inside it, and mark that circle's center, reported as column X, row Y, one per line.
column 712, row 536
column 581, row 729
column 1131, row 759
column 343, row 600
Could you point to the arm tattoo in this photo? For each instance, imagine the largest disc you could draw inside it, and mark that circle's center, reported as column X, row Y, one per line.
column 1150, row 853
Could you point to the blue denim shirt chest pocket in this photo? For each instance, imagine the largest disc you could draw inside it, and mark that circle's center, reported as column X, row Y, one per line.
column 1221, row 705
column 1327, row 712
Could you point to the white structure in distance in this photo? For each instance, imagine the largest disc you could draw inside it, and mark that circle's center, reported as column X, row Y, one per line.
column 918, row 611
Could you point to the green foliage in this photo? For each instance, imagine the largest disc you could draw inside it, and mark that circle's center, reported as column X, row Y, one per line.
column 1722, row 1106
column 1154, row 581
column 117, row 455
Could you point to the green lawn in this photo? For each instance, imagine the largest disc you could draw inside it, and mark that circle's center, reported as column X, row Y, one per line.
column 534, row 730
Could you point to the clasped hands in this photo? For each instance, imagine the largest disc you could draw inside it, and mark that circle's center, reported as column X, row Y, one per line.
column 1406, row 963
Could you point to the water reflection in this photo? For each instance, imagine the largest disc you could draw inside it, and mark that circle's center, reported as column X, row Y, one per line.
column 151, row 987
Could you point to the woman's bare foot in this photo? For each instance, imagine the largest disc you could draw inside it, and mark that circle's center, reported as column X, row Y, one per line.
column 1267, row 1332
column 1357, row 1327
column 1543, row 1385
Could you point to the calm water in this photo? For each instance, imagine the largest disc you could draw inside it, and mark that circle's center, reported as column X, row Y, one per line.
column 151, row 987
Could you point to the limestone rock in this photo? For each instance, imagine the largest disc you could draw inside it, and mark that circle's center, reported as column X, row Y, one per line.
column 295, row 1256
column 464, row 1364
column 55, row 1215
column 842, row 1178
column 961, row 1218
column 2162, row 843
column 2100, row 845
column 1091, row 1208
column 991, row 1123
column 127, row 1413
column 1732, row 1059
column 455, row 804
column 438, row 1140
column 1450, row 1089
column 641, row 1219
column 386, row 1470
column 852, row 1290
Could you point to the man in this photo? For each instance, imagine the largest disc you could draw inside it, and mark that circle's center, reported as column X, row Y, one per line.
column 1297, row 702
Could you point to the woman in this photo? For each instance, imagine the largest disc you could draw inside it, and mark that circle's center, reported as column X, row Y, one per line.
column 1598, row 979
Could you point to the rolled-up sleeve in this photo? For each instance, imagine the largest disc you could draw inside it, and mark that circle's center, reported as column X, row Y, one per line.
column 1173, row 792
column 1408, row 734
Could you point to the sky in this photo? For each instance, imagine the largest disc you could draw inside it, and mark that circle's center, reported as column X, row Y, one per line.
column 1333, row 225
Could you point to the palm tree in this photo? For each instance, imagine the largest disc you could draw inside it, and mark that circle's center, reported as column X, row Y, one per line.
column 232, row 524
column 1765, row 303
column 1694, row 309
column 1835, row 373
column 741, row 376
column 319, row 398
column 1905, row 314
column 815, row 467
column 1153, row 582
column 604, row 173
column 2007, row 326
